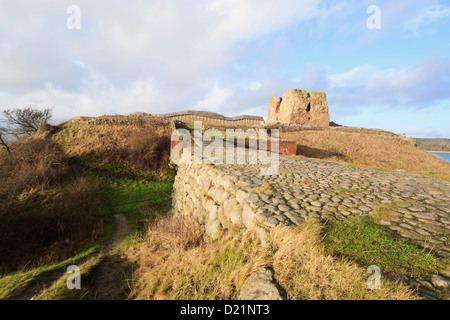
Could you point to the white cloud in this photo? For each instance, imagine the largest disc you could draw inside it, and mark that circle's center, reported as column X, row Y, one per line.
column 429, row 15
column 356, row 76
column 167, row 55
column 155, row 55
column 255, row 85
column 422, row 83
column 252, row 18
column 214, row 100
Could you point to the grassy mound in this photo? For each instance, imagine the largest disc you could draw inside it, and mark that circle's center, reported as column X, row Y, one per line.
column 142, row 146
column 367, row 148
column 45, row 216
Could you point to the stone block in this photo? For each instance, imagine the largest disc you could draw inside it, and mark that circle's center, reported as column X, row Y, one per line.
column 299, row 107
column 248, row 217
column 261, row 286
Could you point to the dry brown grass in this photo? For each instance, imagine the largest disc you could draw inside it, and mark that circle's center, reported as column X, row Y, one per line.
column 33, row 165
column 306, row 272
column 38, row 223
column 147, row 151
column 181, row 233
column 83, row 138
column 176, row 262
column 367, row 149
column 50, row 227
column 143, row 146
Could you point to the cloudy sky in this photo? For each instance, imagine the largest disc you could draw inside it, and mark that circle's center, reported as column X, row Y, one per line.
column 230, row 57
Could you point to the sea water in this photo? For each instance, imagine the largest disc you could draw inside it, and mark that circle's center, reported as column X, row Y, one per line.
column 442, row 155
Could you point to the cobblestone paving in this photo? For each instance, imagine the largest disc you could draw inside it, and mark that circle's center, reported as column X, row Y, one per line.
column 420, row 206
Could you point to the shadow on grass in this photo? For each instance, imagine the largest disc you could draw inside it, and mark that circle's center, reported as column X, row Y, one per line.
column 319, row 153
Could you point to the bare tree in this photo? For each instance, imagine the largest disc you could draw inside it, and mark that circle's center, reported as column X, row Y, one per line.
column 26, row 121
column 3, row 141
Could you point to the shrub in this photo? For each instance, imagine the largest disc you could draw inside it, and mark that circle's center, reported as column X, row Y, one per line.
column 34, row 164
column 39, row 224
column 50, row 227
column 147, row 150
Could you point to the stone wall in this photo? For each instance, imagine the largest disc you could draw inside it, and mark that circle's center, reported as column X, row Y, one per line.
column 299, row 107
column 212, row 195
column 223, row 122
column 205, row 116
column 120, row 120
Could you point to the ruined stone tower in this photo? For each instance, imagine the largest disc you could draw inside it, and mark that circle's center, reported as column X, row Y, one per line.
column 299, row 107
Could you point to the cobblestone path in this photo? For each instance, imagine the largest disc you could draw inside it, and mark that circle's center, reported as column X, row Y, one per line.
column 420, row 206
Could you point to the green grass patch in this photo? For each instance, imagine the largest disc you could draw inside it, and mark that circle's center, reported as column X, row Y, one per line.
column 360, row 240
column 59, row 290
column 9, row 282
column 116, row 170
column 141, row 201
column 384, row 213
column 425, row 174
column 434, row 176
column 344, row 190
column 215, row 274
column 219, row 272
column 369, row 167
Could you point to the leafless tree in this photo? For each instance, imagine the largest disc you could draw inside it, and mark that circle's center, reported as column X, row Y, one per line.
column 3, row 141
column 26, row 121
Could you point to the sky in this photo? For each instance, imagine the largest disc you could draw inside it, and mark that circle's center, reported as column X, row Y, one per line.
column 386, row 68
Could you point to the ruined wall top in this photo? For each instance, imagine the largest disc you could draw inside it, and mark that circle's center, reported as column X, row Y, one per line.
column 206, row 114
column 299, row 107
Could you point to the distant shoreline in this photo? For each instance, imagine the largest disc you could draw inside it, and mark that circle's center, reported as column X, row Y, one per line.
column 438, row 151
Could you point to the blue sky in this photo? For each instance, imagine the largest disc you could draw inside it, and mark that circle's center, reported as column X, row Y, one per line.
column 231, row 56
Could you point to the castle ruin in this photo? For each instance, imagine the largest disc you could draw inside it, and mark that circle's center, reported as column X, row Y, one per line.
column 299, row 107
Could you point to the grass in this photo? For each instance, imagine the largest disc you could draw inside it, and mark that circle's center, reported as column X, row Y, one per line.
column 46, row 215
column 369, row 167
column 445, row 177
column 344, row 190
column 360, row 240
column 177, row 262
column 384, row 212
column 434, row 176
column 9, row 282
column 141, row 201
column 59, row 290
column 263, row 188
column 381, row 151
column 137, row 146
column 48, row 218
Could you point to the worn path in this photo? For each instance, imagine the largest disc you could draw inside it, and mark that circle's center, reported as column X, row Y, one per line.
column 105, row 281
